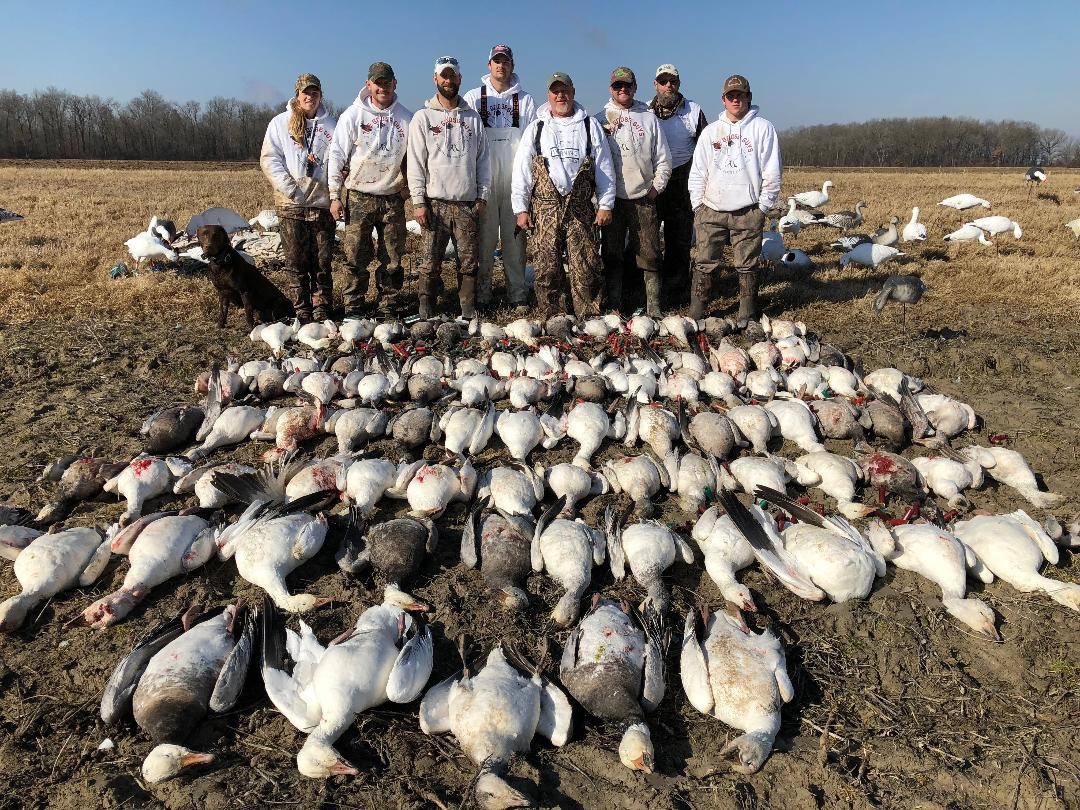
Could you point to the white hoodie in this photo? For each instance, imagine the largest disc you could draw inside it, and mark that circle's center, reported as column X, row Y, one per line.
column 448, row 157
column 371, row 142
column 501, row 105
column 736, row 164
column 284, row 161
column 562, row 140
column 639, row 149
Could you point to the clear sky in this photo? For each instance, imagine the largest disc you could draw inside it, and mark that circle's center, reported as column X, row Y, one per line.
column 808, row 62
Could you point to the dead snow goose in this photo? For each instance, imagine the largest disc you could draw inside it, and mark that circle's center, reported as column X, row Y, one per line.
column 499, row 545
column 567, row 550
column 650, row 548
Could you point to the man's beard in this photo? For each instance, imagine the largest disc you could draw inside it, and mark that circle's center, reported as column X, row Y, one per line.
column 667, row 98
column 449, row 93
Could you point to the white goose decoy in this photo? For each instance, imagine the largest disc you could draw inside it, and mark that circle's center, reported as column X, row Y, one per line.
column 726, row 551
column 1014, row 547
column 814, row 199
column 797, row 260
column 386, row 656
column 870, row 255
column 968, row 233
column 492, row 714
column 887, row 235
column 567, row 550
column 914, row 231
column 52, row 563
column 1011, row 469
column 998, row 224
column 650, row 548
column 940, row 556
column 738, row 677
column 1074, row 226
column 173, row 676
column 962, row 202
column 163, row 548
column 613, row 665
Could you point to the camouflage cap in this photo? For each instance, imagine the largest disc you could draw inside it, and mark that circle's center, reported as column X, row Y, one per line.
column 558, row 77
column 306, row 80
column 380, row 70
column 623, row 74
column 737, row 83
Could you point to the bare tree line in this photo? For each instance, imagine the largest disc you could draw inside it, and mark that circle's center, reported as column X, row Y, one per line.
column 54, row 123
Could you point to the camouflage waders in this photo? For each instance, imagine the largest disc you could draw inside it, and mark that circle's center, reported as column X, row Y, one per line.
column 309, row 247
column 565, row 227
column 742, row 230
column 449, row 219
column 636, row 219
column 386, row 214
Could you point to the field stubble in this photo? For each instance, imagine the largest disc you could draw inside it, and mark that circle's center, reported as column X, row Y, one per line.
column 896, row 705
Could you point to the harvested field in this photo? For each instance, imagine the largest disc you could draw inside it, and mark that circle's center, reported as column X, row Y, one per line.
column 897, row 705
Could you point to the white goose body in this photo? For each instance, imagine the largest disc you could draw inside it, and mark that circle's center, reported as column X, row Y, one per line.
column 650, row 548
column 50, row 564
column 435, row 485
column 837, row 563
column 144, row 478
column 797, row 423
column 513, row 490
column 755, row 423
column 750, row 472
column 968, row 233
column 914, row 231
column 567, row 551
column 726, row 551
column 814, row 199
column 317, row 335
column 1014, row 547
column 947, row 416
column 998, row 224
column 961, row 202
column 386, row 657
column 467, row 430
column 234, row 425
column 521, row 431
column 656, row 426
column 714, row 433
column 322, row 385
column 639, row 477
column 354, row 331
column 948, row 478
column 368, row 480
column 839, row 477
column 572, row 482
column 355, row 427
column 274, row 335
column 476, row 389
column 741, row 679
column 692, row 477
column 506, row 365
column 588, row 425
column 1011, row 469
column 870, row 255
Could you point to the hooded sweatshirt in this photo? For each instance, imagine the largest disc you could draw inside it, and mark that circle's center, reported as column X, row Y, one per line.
column 500, row 106
column 736, row 164
column 639, row 150
column 448, row 157
column 371, row 144
column 286, row 163
column 562, row 141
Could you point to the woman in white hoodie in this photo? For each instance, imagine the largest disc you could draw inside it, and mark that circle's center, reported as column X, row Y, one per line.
column 294, row 159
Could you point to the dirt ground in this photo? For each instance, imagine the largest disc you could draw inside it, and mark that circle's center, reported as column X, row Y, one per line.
column 897, row 705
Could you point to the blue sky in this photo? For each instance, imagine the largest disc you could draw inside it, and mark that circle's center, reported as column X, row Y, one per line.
column 808, row 62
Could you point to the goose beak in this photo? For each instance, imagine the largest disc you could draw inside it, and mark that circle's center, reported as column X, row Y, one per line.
column 342, row 768
column 644, row 763
column 195, row 758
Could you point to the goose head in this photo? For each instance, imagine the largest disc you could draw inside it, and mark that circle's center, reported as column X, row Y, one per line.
column 976, row 614
column 493, row 793
column 317, row 760
column 303, row 602
column 749, row 751
column 393, row 595
column 166, row 761
column 636, row 748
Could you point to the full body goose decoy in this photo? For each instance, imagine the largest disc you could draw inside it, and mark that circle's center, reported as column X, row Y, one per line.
column 492, row 714
column 738, row 677
column 845, row 220
column 613, row 665
column 386, row 656
column 998, row 224
column 968, row 233
column 870, row 255
column 904, row 290
column 499, row 544
column 814, row 199
column 914, row 231
column 962, row 202
column 52, row 563
column 1034, row 177
column 940, row 556
column 650, row 548
column 567, row 550
column 173, row 676
column 1014, row 547
column 887, row 235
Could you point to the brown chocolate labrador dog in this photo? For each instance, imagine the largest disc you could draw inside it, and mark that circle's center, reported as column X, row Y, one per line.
column 238, row 282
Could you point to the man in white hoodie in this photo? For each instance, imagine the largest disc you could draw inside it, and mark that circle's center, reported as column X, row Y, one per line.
column 639, row 153
column 449, row 178
column 734, row 179
column 506, row 110
column 562, row 161
column 369, row 142
column 294, row 159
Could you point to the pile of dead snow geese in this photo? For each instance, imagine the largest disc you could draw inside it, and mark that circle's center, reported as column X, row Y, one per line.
column 674, row 413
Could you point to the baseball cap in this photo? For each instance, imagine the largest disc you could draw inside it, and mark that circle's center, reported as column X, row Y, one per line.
column 623, row 74
column 560, row 77
column 306, row 80
column 501, row 49
column 444, row 62
column 380, row 70
column 735, row 82
column 667, row 70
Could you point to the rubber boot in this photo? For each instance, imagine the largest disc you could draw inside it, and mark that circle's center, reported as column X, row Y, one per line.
column 652, row 294
column 467, row 297
column 699, row 288
column 748, row 302
column 614, row 284
column 426, row 289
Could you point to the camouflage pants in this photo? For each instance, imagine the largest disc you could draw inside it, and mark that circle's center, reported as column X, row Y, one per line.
column 625, row 260
column 674, row 212
column 565, row 230
column 714, row 229
column 448, row 219
column 309, row 248
column 386, row 214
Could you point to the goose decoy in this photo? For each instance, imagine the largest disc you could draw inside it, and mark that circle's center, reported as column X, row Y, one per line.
column 266, row 219
column 797, row 218
column 9, row 216
column 870, row 255
column 613, row 665
column 904, row 290
column 174, row 675
column 1034, row 177
column 962, row 202
column 814, row 199
column 914, row 231
column 386, row 656
column 850, row 241
column 997, row 224
column 845, row 220
column 887, row 236
column 492, row 714
column 968, row 233
column 567, row 550
column 738, row 677
column 797, row 260
column 1074, row 226
column 52, row 563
